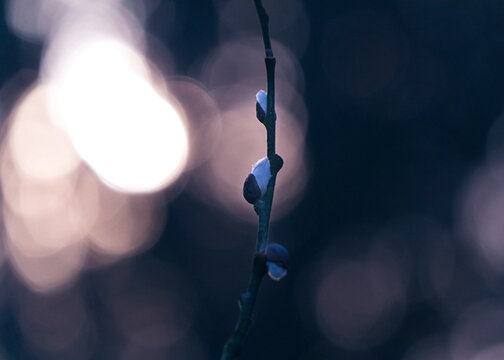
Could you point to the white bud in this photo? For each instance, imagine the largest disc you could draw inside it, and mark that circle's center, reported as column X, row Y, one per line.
column 277, row 261
column 262, row 173
column 275, row 271
column 251, row 191
column 262, row 99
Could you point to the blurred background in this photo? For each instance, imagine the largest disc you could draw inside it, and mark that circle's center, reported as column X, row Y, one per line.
column 128, row 128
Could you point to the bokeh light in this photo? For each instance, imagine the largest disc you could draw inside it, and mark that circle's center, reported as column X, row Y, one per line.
column 40, row 268
column 420, row 250
column 202, row 118
column 242, row 143
column 478, row 333
column 234, row 72
column 118, row 123
column 39, row 149
column 359, row 303
column 55, row 211
column 57, row 325
column 493, row 353
column 482, row 203
column 240, row 62
column 34, row 21
column 433, row 348
column 133, row 225
column 480, row 216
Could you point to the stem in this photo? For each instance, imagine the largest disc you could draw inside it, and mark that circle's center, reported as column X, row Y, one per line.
column 270, row 119
column 247, row 300
column 263, row 206
column 264, row 20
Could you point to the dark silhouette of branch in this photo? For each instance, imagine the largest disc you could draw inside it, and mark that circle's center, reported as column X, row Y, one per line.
column 263, row 260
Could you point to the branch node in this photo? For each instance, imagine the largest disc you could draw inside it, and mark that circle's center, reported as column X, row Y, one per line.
column 276, row 163
column 254, row 187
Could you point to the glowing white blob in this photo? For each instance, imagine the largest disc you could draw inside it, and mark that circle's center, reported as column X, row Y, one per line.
column 262, row 99
column 262, row 172
column 128, row 133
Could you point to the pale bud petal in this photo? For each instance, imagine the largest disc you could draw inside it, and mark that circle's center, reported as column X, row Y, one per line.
column 262, row 173
column 262, row 99
column 251, row 191
column 275, row 271
column 277, row 261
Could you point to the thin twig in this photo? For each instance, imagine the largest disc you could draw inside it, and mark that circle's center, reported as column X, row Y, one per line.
column 262, row 207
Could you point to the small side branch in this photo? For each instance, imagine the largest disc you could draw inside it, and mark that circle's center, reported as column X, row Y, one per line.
column 262, row 206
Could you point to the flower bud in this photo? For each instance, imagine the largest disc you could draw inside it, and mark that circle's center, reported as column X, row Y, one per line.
column 262, row 172
column 261, row 108
column 256, row 184
column 277, row 261
column 251, row 191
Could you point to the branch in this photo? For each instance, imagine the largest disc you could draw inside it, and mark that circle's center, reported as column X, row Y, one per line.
column 270, row 61
column 247, row 300
column 262, row 206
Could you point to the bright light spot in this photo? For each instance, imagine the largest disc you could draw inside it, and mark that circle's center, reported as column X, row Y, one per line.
column 31, row 197
column 118, row 123
column 41, row 268
column 39, row 149
column 55, row 211
column 97, row 100
column 124, row 224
